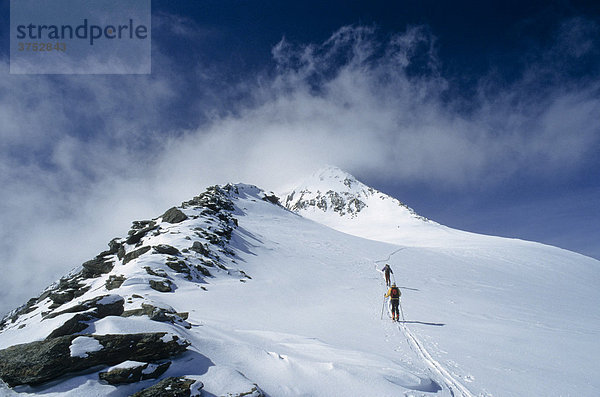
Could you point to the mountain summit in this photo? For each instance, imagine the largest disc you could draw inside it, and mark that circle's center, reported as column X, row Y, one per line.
column 335, row 192
column 338, row 200
column 233, row 294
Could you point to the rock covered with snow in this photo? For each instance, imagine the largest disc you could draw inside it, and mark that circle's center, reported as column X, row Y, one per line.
column 38, row 362
column 173, row 387
column 133, row 371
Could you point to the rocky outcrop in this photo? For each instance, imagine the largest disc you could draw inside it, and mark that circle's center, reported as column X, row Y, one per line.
column 38, row 362
column 161, row 285
column 341, row 202
column 133, row 371
column 135, row 254
column 114, row 282
column 69, row 308
column 172, row 387
column 66, row 290
column 178, row 266
column 156, row 272
column 159, row 314
column 138, row 230
column 96, row 267
column 93, row 309
column 271, row 198
column 166, row 249
column 174, row 215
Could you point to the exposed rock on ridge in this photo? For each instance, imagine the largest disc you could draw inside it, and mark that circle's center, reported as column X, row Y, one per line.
column 160, row 254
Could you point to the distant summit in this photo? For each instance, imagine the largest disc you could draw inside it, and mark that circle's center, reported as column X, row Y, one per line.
column 331, row 189
column 337, row 199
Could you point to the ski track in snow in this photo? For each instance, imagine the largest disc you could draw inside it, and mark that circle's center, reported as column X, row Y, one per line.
column 455, row 388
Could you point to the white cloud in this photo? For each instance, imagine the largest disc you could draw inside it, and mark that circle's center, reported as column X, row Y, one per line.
column 86, row 155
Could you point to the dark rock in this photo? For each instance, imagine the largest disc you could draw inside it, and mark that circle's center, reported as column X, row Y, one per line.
column 271, row 199
column 44, row 295
column 135, row 254
column 225, row 232
column 62, row 297
column 114, row 245
column 104, row 254
column 38, row 362
column 80, row 291
column 137, row 225
column 135, row 238
column 96, row 267
column 140, row 228
column 170, row 387
column 159, row 314
column 207, row 262
column 75, row 324
column 94, row 309
column 203, row 270
column 161, row 286
column 121, row 252
column 105, row 305
column 114, row 282
column 179, row 266
column 14, row 315
column 167, row 250
column 156, row 272
column 215, row 198
column 67, row 290
column 134, row 373
column 200, row 248
column 174, row 215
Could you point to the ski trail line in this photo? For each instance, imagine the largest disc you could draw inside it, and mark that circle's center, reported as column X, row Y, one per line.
column 390, row 255
column 455, row 387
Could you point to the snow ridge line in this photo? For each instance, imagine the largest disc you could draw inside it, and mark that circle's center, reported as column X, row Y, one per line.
column 452, row 384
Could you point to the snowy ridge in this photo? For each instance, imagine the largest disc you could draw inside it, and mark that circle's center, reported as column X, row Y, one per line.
column 252, row 300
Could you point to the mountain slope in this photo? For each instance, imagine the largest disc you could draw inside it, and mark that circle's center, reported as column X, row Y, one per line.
column 281, row 305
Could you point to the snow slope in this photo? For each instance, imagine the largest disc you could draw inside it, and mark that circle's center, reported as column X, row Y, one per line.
column 297, row 307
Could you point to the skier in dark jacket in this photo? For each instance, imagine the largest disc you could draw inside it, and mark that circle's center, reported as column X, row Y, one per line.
column 394, row 295
column 386, row 271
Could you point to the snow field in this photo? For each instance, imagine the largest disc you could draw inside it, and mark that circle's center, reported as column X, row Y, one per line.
column 485, row 316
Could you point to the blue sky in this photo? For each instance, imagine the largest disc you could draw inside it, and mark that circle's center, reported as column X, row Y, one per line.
column 483, row 116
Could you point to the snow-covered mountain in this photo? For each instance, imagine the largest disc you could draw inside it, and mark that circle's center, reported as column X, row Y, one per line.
column 337, row 199
column 233, row 294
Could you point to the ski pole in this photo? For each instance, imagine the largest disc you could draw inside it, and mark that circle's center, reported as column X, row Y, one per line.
column 401, row 311
column 382, row 307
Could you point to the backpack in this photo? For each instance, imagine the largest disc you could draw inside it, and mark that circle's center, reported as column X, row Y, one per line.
column 394, row 293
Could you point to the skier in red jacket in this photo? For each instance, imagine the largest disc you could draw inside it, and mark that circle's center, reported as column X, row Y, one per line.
column 394, row 295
